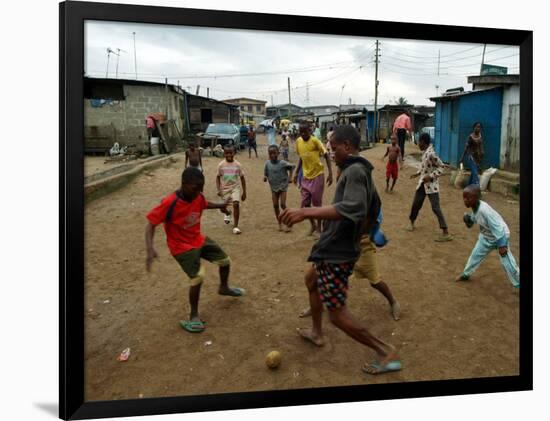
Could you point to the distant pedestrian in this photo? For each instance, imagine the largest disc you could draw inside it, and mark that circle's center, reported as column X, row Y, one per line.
column 193, row 156
column 428, row 185
column 271, row 131
column 401, row 127
column 284, row 146
column 473, row 152
column 251, row 135
column 330, row 150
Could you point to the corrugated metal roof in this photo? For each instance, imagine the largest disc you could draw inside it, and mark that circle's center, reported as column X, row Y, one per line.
column 450, row 97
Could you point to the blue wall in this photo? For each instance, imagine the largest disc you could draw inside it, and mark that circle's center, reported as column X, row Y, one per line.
column 370, row 125
column 454, row 119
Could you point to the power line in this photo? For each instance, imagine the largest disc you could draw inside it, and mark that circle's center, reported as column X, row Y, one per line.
column 393, row 46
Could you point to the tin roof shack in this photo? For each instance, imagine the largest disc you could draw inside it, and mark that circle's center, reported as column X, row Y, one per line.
column 386, row 117
column 115, row 111
column 455, row 115
column 358, row 119
column 420, row 118
column 202, row 111
column 283, row 110
column 509, row 140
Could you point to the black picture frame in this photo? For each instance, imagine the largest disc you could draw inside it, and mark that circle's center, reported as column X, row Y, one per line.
column 71, row 357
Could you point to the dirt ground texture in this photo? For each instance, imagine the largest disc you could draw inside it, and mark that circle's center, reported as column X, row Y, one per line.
column 447, row 330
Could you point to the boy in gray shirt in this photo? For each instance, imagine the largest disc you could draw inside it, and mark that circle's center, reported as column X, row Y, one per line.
column 352, row 213
column 278, row 172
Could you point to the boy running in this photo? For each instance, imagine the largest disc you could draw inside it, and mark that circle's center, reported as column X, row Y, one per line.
column 428, row 185
column 278, row 172
column 181, row 214
column 193, row 156
column 309, row 150
column 494, row 234
column 227, row 183
column 392, row 168
column 334, row 255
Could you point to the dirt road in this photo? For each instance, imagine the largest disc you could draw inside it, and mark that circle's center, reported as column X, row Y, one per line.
column 447, row 330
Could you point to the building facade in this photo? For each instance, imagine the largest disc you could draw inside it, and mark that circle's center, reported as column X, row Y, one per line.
column 249, row 105
column 115, row 110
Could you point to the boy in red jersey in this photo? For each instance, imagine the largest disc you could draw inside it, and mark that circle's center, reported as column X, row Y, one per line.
column 181, row 214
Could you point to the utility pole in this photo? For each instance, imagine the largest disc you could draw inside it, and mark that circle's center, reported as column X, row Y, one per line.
column 482, row 58
column 272, row 100
column 376, row 57
column 307, row 94
column 289, row 100
column 118, row 50
column 438, row 60
column 135, row 55
column 108, row 57
column 207, row 92
column 198, row 89
column 166, row 98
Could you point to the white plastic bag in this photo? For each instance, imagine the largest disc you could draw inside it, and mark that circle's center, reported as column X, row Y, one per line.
column 486, row 177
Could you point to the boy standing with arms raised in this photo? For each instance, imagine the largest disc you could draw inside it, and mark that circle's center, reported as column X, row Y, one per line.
column 309, row 150
column 352, row 213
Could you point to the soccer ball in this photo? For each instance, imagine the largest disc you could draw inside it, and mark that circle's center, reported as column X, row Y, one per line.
column 273, row 359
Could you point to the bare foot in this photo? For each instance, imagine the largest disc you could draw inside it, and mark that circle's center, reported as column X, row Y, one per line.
column 308, row 335
column 396, row 310
column 305, row 312
column 280, row 227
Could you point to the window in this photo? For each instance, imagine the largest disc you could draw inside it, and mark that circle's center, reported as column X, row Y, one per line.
column 206, row 115
column 258, row 108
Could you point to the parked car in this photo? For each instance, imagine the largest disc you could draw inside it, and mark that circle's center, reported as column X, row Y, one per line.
column 225, row 134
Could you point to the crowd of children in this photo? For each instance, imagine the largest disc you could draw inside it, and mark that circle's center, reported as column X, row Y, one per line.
column 347, row 232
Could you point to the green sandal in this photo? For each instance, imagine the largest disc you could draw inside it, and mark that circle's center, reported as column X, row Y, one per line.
column 193, row 326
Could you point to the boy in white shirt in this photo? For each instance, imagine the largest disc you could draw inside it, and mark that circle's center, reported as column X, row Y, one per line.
column 494, row 234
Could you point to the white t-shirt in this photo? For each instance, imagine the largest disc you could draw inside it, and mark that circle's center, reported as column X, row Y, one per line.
column 491, row 224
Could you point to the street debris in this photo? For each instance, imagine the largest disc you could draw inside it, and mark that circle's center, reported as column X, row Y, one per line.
column 124, row 355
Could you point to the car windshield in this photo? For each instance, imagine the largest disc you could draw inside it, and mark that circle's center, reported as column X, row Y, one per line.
column 220, row 129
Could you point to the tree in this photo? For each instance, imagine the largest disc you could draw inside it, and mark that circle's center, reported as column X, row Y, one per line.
column 401, row 101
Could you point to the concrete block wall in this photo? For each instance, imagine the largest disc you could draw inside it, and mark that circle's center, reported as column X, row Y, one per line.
column 128, row 116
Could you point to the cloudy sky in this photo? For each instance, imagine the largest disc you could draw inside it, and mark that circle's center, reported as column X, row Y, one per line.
column 323, row 70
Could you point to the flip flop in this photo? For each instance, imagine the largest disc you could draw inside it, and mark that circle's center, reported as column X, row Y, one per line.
column 443, row 238
column 193, row 326
column 394, row 365
column 234, row 292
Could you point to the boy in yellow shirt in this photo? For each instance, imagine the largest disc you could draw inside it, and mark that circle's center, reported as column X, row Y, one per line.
column 310, row 150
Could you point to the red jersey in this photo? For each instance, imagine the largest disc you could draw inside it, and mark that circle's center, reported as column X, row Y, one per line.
column 183, row 231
